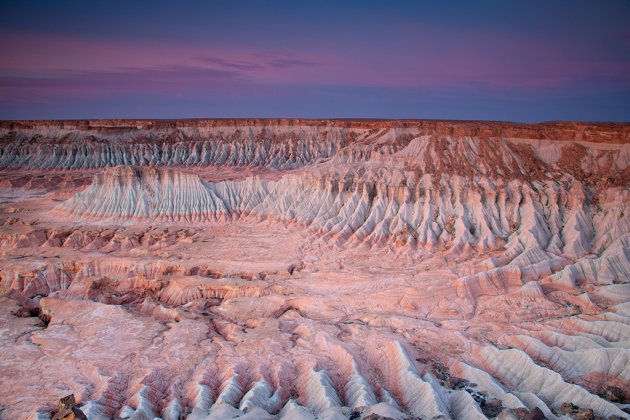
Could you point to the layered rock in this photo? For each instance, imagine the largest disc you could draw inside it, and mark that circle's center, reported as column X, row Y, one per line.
column 133, row 193
column 307, row 269
column 495, row 148
column 457, row 212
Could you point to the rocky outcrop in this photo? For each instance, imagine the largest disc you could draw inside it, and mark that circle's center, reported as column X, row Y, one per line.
column 597, row 152
column 454, row 212
column 302, row 269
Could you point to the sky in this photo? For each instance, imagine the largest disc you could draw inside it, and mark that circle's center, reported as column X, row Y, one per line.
column 517, row 60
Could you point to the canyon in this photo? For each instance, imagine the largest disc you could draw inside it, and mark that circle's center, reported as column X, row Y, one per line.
column 315, row 269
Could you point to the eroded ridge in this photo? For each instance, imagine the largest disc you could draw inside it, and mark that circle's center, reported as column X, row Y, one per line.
column 307, row 269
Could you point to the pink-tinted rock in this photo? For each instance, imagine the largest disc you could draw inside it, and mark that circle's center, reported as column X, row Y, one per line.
column 314, row 269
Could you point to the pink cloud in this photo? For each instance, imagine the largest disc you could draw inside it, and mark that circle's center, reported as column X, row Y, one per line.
column 426, row 58
column 43, row 53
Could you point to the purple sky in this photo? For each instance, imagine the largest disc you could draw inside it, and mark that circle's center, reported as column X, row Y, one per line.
column 496, row 60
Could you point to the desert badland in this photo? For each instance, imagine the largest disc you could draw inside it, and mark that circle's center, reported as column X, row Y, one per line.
column 306, row 269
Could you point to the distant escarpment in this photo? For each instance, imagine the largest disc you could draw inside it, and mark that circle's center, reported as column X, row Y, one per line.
column 489, row 148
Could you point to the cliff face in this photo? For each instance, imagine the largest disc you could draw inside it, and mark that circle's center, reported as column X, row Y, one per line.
column 489, row 149
column 316, row 269
column 449, row 213
column 56, row 148
column 598, row 132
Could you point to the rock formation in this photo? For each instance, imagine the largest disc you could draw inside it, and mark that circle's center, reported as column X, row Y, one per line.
column 315, row 269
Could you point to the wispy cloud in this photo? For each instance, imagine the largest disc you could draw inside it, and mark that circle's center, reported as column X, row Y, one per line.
column 284, row 60
column 42, row 67
column 243, row 66
column 37, row 67
column 89, row 83
column 256, row 62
